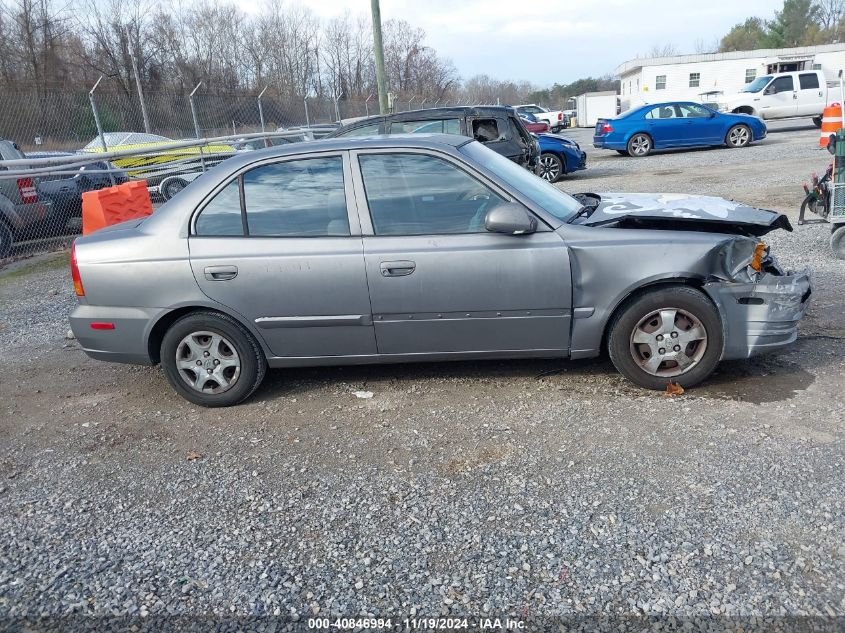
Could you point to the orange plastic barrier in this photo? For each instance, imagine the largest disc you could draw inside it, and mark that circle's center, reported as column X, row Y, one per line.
column 831, row 122
column 112, row 205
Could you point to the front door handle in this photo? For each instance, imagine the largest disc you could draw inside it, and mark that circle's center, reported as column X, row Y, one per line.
column 220, row 273
column 397, row 269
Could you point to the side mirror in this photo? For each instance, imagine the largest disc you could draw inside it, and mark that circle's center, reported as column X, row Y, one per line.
column 831, row 144
column 770, row 91
column 510, row 218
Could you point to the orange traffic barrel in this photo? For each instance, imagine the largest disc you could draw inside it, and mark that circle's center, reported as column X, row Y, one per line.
column 831, row 123
column 104, row 207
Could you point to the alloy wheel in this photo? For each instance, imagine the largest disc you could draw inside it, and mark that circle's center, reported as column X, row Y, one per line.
column 549, row 168
column 739, row 136
column 640, row 145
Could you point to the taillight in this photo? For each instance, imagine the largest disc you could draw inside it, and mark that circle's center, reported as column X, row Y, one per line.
column 74, row 273
column 26, row 188
column 560, row 116
column 606, row 128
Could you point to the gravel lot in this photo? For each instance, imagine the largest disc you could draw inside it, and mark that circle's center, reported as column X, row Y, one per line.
column 543, row 491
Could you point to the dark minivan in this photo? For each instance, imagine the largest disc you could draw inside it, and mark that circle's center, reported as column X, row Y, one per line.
column 498, row 127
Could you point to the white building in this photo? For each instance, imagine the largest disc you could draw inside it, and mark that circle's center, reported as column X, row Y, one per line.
column 704, row 77
column 592, row 106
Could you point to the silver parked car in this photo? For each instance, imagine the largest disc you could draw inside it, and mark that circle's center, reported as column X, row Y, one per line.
column 425, row 247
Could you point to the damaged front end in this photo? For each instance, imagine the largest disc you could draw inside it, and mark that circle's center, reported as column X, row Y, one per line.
column 761, row 304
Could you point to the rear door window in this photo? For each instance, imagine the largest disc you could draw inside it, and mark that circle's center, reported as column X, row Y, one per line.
column 297, row 198
column 809, row 81
column 365, row 130
column 663, row 112
column 222, row 215
column 485, row 130
column 426, row 126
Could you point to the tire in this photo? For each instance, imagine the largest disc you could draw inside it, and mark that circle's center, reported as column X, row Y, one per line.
column 7, row 238
column 556, row 129
column 837, row 241
column 817, row 121
column 551, row 168
column 193, row 338
column 639, row 145
column 173, row 187
column 738, row 136
column 641, row 316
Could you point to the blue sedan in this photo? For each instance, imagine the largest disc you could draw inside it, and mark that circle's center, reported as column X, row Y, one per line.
column 559, row 156
column 676, row 124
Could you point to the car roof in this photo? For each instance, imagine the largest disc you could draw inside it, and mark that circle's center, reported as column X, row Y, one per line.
column 355, row 142
column 669, row 103
column 426, row 113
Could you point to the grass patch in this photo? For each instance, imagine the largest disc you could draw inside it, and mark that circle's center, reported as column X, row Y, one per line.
column 53, row 261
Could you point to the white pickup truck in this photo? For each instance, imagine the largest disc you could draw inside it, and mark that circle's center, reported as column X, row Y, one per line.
column 556, row 119
column 781, row 96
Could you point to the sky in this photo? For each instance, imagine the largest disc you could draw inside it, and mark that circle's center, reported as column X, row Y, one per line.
column 554, row 41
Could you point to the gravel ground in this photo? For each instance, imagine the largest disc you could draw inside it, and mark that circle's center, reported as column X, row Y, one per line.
column 544, row 491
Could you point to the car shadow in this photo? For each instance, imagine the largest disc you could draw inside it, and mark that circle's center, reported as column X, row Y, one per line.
column 291, row 381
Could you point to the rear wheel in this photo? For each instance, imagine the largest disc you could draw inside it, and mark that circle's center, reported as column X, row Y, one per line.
column 173, row 187
column 212, row 360
column 551, row 167
column 639, row 145
column 817, row 121
column 837, row 241
column 668, row 334
column 738, row 136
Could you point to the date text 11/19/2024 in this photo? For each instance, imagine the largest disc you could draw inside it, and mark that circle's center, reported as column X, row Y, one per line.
column 432, row 624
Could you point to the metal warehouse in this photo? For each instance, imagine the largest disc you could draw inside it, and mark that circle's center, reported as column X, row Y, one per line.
column 705, row 77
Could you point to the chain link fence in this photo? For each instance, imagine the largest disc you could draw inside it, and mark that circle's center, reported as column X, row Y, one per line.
column 67, row 128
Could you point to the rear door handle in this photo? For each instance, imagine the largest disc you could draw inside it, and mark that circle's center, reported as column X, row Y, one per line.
column 397, row 269
column 220, row 273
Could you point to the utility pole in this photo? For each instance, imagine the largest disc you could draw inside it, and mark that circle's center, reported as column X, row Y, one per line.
column 378, row 50
column 134, row 59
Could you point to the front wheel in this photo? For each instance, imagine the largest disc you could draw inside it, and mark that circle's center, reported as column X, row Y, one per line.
column 639, row 145
column 837, row 241
column 551, row 167
column 672, row 334
column 212, row 360
column 738, row 136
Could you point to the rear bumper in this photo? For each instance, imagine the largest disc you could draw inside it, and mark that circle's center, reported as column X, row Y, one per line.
column 763, row 316
column 602, row 142
column 126, row 343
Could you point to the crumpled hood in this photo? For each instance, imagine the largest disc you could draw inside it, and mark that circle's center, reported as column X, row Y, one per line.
column 700, row 212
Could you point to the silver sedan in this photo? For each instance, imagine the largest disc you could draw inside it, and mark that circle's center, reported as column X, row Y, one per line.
column 422, row 248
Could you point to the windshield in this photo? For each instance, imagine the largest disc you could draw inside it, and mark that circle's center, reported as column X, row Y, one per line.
column 543, row 194
column 758, row 84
